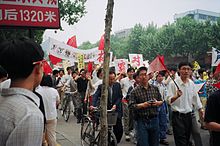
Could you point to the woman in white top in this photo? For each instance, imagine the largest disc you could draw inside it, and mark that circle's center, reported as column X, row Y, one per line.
column 51, row 99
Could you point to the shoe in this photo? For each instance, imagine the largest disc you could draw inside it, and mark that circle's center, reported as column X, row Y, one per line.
column 164, row 142
column 127, row 137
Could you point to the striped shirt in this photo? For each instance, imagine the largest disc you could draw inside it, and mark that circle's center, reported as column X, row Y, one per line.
column 20, row 118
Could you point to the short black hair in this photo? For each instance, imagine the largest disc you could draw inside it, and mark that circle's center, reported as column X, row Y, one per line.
column 3, row 72
column 112, row 72
column 68, row 68
column 201, row 70
column 140, row 69
column 184, row 64
column 55, row 72
column 74, row 72
column 18, row 55
column 130, row 69
column 99, row 71
column 46, row 81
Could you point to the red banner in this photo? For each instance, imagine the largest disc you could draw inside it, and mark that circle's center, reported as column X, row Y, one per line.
column 29, row 16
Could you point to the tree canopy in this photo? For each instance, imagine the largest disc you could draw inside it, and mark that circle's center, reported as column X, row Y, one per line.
column 70, row 11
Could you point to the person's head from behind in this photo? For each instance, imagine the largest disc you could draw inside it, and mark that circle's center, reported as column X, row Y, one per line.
column 185, row 69
column 143, row 76
column 3, row 74
column 56, row 72
column 23, row 60
column 47, row 81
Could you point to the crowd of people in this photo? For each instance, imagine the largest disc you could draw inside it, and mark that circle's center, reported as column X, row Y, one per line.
column 149, row 105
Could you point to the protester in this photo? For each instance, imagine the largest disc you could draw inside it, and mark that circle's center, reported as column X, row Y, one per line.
column 51, row 99
column 182, row 100
column 212, row 118
column 4, row 81
column 163, row 108
column 114, row 103
column 20, row 117
column 144, row 101
column 125, row 84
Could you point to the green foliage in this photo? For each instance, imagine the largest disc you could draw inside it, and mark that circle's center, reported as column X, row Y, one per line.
column 185, row 37
column 70, row 11
column 87, row 45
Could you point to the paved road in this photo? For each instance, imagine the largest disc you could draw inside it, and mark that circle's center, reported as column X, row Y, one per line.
column 68, row 134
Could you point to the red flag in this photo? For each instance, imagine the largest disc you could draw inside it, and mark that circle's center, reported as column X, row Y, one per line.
column 217, row 70
column 72, row 42
column 90, row 66
column 156, row 65
column 102, row 42
column 54, row 60
column 217, row 85
column 47, row 68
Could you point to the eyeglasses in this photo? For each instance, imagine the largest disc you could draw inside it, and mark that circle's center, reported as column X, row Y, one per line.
column 39, row 62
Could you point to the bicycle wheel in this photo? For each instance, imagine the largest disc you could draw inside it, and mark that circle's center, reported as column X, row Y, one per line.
column 112, row 141
column 66, row 112
column 87, row 136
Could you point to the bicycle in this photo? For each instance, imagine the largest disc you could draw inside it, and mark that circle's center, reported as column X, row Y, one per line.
column 90, row 136
column 66, row 105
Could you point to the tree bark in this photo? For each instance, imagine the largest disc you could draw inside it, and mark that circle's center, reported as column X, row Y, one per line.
column 104, row 96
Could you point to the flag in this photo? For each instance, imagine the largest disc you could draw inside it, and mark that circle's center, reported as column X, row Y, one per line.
column 217, row 85
column 54, row 60
column 215, row 57
column 90, row 67
column 217, row 70
column 72, row 42
column 47, row 68
column 156, row 65
column 102, row 42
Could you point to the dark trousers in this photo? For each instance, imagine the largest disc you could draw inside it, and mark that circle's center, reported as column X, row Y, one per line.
column 196, row 131
column 118, row 129
column 182, row 125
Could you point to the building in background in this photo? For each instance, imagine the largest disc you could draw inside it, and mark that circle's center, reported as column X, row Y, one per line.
column 123, row 33
column 199, row 15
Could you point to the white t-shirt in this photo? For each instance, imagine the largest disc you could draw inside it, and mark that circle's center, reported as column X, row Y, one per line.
column 5, row 84
column 50, row 97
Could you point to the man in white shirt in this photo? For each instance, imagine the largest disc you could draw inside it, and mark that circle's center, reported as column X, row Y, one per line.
column 182, row 101
column 20, row 117
column 126, row 83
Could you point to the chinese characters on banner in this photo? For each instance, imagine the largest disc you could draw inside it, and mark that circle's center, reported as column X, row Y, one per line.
column 81, row 63
column 32, row 13
column 136, row 60
column 121, row 65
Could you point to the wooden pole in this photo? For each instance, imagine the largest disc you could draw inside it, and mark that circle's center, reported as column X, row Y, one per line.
column 103, row 101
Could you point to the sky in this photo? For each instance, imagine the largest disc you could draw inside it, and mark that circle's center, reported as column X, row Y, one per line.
column 126, row 14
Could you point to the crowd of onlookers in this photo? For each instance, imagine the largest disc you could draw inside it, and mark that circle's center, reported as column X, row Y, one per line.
column 150, row 105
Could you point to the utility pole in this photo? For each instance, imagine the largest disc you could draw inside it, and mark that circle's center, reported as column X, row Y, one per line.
column 103, row 101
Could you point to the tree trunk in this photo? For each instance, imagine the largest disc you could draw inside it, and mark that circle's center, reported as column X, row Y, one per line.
column 103, row 101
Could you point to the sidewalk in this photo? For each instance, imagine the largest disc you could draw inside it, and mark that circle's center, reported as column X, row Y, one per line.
column 62, row 140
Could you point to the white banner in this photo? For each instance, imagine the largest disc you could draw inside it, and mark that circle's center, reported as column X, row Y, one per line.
column 215, row 57
column 67, row 52
column 136, row 60
column 121, row 65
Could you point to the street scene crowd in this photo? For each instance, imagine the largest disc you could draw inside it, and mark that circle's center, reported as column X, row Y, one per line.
column 149, row 105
